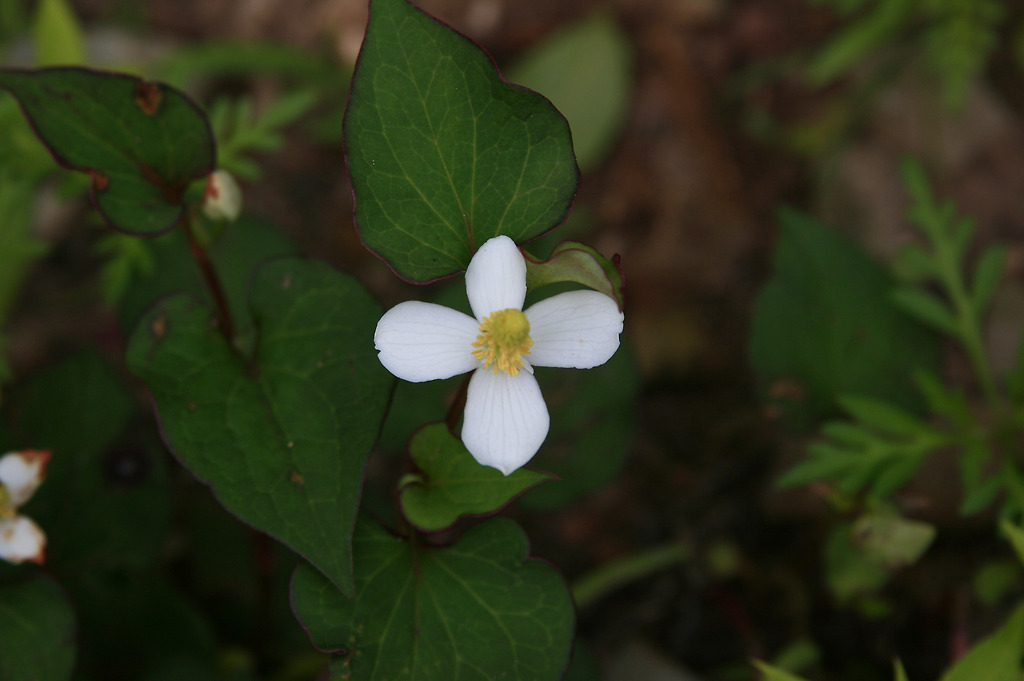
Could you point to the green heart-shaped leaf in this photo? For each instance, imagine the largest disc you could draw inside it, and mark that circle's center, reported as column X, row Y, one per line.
column 282, row 438
column 37, row 632
column 443, row 153
column 476, row 611
column 451, row 483
column 142, row 143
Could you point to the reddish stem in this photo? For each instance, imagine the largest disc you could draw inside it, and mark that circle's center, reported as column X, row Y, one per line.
column 451, row 419
column 211, row 280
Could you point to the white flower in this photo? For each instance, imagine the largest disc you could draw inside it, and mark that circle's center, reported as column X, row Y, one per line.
column 20, row 474
column 506, row 419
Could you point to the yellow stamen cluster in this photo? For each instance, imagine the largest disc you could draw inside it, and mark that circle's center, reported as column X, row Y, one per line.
column 504, row 339
column 6, row 510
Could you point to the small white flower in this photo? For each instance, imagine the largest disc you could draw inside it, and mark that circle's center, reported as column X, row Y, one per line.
column 506, row 419
column 20, row 474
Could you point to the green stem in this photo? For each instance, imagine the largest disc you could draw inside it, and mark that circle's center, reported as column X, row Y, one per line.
column 601, row 581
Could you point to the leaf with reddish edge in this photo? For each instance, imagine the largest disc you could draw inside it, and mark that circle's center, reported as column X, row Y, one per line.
column 579, row 263
column 450, row 483
column 477, row 610
column 282, row 437
column 142, row 143
column 442, row 152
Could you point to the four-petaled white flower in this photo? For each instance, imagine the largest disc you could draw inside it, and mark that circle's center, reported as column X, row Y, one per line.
column 505, row 418
column 20, row 474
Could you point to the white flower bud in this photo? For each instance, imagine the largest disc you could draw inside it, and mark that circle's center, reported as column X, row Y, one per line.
column 223, row 200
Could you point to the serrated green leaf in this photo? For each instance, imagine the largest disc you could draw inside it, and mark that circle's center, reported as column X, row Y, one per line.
column 915, row 264
column 444, row 154
column 987, row 275
column 453, row 484
column 996, row 657
column 57, row 35
column 282, row 438
column 37, row 631
column 141, row 143
column 586, row 71
column 927, row 308
column 859, row 40
column 478, row 610
column 881, row 415
column 579, row 263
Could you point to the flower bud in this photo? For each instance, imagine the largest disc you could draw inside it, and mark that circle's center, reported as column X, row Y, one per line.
column 223, row 200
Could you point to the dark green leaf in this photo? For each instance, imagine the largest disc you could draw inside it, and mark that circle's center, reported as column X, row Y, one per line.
column 282, row 438
column 142, row 143
column 442, row 152
column 37, row 632
column 242, row 246
column 825, row 325
column 451, row 483
column 477, row 611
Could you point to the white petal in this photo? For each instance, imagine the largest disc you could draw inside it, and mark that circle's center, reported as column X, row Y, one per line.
column 576, row 330
column 496, row 277
column 506, row 419
column 21, row 540
column 424, row 342
column 22, row 472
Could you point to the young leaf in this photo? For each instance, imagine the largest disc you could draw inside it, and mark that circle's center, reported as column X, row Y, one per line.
column 579, row 263
column 444, row 154
column 141, row 143
column 898, row 672
column 453, row 484
column 477, row 610
column 282, row 438
column 996, row 658
column 37, row 632
column 929, row 309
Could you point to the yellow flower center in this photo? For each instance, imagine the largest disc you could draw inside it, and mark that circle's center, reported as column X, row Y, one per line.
column 504, row 339
column 6, row 510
